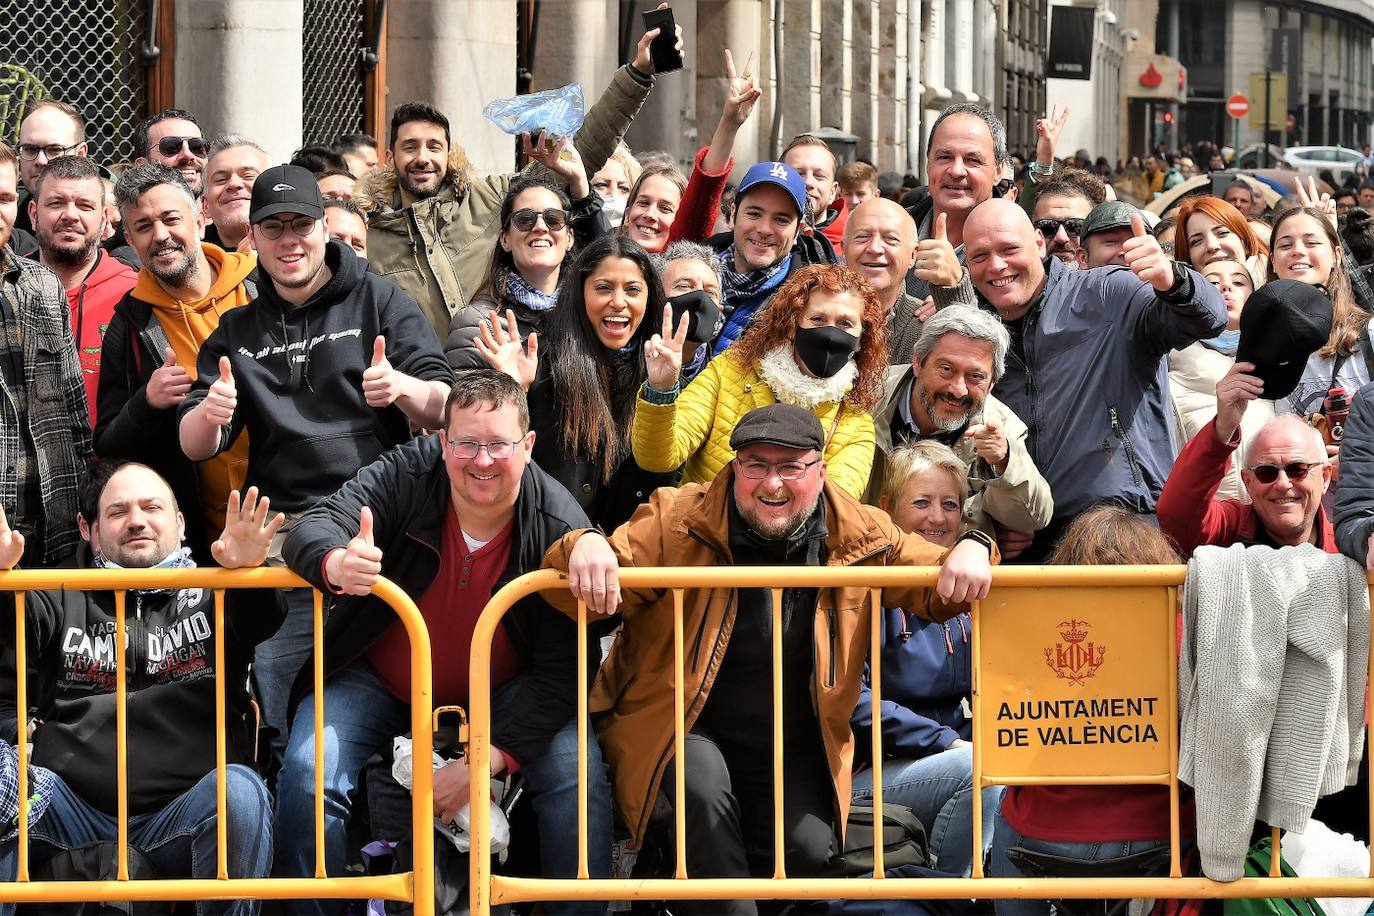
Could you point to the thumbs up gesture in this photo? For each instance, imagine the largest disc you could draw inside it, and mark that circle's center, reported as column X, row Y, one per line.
column 990, row 443
column 223, row 398
column 936, row 263
column 1146, row 259
column 354, row 569
column 169, row 384
column 382, row 384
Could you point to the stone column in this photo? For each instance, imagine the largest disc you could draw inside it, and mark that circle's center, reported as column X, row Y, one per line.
column 576, row 43
column 458, row 55
column 668, row 119
column 739, row 26
column 961, row 47
column 800, row 76
column 937, row 91
column 836, row 64
column 231, row 56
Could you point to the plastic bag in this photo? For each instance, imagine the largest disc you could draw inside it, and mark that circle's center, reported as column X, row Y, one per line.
column 1320, row 852
column 559, row 111
column 456, row 831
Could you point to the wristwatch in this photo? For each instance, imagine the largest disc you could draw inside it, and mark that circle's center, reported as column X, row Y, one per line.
column 973, row 534
column 1182, row 290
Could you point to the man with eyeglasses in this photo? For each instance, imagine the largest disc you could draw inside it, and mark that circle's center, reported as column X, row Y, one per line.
column 172, row 137
column 330, row 367
column 450, row 518
column 773, row 506
column 50, row 129
column 1061, row 206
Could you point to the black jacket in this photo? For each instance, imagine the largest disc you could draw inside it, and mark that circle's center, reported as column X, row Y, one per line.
column 299, row 375
column 407, row 490
column 171, row 687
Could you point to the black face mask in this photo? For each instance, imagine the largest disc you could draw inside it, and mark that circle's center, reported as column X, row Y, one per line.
column 825, row 351
column 704, row 312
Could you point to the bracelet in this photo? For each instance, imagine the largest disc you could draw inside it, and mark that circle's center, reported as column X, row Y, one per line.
column 1038, row 169
column 652, row 395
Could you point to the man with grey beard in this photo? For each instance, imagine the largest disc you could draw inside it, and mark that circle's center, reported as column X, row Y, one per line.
column 148, row 360
column 67, row 212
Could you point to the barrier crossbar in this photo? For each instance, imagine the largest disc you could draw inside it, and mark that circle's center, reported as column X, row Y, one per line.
column 1155, row 589
column 397, row 887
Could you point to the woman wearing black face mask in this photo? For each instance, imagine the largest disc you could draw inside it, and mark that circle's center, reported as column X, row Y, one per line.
column 821, row 343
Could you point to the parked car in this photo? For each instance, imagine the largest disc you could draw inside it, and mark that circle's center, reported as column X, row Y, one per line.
column 1308, row 160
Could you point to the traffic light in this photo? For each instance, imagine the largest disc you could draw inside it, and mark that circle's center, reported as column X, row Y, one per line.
column 1168, row 117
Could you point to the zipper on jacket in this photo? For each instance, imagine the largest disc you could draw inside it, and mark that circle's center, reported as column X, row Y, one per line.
column 1120, row 434
column 701, row 631
column 830, row 678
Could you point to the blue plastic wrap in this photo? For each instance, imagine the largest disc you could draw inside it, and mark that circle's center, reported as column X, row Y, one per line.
column 559, row 111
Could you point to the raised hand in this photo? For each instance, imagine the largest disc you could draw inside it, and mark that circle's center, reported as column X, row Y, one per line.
column 1235, row 390
column 356, row 568
column 223, row 397
column 169, row 384
column 11, row 544
column 663, row 353
column 382, row 384
column 560, row 156
column 247, row 533
column 1146, row 259
column 741, row 92
column 936, row 262
column 1309, row 197
column 1047, row 132
column 643, row 62
column 499, row 344
column 990, row 443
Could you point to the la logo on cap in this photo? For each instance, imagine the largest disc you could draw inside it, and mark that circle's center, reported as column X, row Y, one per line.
column 778, row 170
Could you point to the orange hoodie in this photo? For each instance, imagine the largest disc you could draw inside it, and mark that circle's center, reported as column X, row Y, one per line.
column 186, row 325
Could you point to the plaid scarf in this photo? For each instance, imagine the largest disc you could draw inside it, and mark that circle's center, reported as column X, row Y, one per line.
column 744, row 284
column 536, row 300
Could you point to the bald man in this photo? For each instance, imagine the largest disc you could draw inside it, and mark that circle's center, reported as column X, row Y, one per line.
column 1285, row 472
column 1086, row 371
column 880, row 243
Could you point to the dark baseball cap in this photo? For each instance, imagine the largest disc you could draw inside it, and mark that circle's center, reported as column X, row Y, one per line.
column 285, row 189
column 1282, row 324
column 775, row 173
column 1112, row 214
column 779, row 424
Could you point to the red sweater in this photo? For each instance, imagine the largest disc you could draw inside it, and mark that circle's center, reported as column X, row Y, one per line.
column 696, row 217
column 92, row 302
column 1192, row 517
column 834, row 230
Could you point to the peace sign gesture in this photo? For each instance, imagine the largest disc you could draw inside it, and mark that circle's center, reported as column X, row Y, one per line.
column 1047, row 130
column 663, row 354
column 500, row 345
column 741, row 92
column 1308, row 197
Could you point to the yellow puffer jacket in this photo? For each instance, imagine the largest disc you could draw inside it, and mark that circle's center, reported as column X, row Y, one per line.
column 696, row 428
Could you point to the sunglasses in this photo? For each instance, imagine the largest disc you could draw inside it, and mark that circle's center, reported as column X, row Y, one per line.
column 272, row 229
column 1049, row 227
column 525, row 219
column 1296, row 470
column 170, row 146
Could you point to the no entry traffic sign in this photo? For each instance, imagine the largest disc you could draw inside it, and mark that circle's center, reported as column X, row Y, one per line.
column 1237, row 106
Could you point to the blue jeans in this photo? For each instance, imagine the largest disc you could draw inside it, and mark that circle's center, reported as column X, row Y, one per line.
column 179, row 840
column 939, row 790
column 361, row 717
column 1005, row 837
column 278, row 659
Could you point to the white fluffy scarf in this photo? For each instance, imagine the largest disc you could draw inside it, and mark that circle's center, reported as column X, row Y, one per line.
column 792, row 386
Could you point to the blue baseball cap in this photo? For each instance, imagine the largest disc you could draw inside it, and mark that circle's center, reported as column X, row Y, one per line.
column 774, row 173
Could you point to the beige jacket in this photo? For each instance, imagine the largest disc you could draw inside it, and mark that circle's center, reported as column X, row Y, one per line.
column 1193, row 375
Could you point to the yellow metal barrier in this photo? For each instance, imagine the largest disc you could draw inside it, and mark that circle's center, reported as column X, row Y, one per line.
column 399, row 887
column 1134, row 608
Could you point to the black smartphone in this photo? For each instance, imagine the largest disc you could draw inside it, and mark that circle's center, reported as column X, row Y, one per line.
column 663, row 52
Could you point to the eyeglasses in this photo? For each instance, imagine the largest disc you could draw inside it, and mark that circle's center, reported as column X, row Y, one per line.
column 1049, row 226
column 170, row 146
column 525, row 219
column 498, row 450
column 787, row 470
column 1296, row 470
column 30, row 151
column 273, row 228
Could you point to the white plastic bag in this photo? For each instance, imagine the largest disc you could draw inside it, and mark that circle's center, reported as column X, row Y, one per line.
column 1319, row 852
column 456, row 831
column 559, row 111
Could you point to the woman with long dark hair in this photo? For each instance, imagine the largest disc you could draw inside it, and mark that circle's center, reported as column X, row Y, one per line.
column 583, row 382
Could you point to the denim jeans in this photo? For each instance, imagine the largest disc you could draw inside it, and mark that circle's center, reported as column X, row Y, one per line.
column 179, row 840
column 361, row 717
column 1000, row 867
column 939, row 790
column 278, row 659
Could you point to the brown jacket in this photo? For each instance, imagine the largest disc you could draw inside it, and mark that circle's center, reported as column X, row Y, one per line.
column 688, row 527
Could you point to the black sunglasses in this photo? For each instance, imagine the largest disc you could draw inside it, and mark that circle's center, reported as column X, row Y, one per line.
column 170, row 146
column 1296, row 470
column 525, row 219
column 1049, row 226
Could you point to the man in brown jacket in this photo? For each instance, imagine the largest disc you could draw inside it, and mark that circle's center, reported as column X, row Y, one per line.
column 773, row 506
